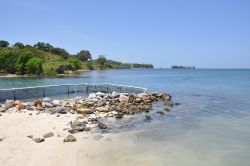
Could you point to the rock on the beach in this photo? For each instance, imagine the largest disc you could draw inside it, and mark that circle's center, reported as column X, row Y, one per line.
column 47, row 99
column 2, row 109
column 70, row 138
column 30, row 136
column 100, row 94
column 123, row 98
column 56, row 103
column 115, row 94
column 102, row 109
column 101, row 103
column 92, row 95
column 60, row 110
column 38, row 103
column 49, row 105
column 47, row 135
column 119, row 115
column 38, row 140
column 84, row 111
column 8, row 106
column 9, row 101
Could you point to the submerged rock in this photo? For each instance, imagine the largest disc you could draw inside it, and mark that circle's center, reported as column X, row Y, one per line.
column 148, row 118
column 102, row 126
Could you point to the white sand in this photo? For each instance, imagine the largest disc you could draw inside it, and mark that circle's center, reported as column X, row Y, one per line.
column 17, row 149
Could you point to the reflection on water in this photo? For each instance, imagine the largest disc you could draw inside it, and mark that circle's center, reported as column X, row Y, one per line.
column 211, row 127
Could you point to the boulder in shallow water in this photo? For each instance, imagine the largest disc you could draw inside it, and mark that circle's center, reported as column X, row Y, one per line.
column 102, row 126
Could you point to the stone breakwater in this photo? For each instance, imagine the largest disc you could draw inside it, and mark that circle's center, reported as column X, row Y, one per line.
column 91, row 110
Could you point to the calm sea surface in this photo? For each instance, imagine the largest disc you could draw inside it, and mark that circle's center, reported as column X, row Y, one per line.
column 211, row 126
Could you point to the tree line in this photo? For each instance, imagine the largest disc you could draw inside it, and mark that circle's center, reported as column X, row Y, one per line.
column 43, row 58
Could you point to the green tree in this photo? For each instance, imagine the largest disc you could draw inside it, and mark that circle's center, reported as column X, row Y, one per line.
column 61, row 52
column 19, row 45
column 101, row 60
column 84, row 55
column 44, row 47
column 21, row 62
column 76, row 64
column 34, row 66
column 4, row 43
column 8, row 58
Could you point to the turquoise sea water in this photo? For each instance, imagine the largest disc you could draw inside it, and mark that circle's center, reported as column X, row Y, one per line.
column 210, row 127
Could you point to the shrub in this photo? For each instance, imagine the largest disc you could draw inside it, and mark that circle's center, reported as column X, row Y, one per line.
column 76, row 64
column 34, row 66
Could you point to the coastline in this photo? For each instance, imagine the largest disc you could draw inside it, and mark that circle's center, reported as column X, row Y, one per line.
column 42, row 76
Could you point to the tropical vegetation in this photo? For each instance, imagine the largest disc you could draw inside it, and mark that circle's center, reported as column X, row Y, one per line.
column 45, row 59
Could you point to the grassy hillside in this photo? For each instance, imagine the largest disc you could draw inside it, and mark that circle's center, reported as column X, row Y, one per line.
column 44, row 59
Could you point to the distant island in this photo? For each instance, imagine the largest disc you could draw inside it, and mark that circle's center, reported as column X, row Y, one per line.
column 43, row 59
column 182, row 67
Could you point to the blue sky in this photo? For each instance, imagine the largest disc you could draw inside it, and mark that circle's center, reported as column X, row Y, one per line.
column 204, row 33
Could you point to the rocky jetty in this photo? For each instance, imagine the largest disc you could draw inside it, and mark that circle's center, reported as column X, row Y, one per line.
column 92, row 109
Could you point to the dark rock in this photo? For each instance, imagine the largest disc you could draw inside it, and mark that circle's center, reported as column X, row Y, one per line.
column 47, row 135
column 30, row 136
column 30, row 113
column 160, row 112
column 177, row 104
column 102, row 126
column 69, row 138
column 148, row 118
column 73, row 131
column 1, row 114
column 119, row 115
column 131, row 98
column 38, row 140
column 2, row 138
